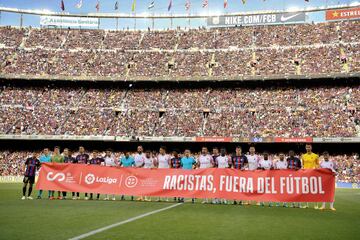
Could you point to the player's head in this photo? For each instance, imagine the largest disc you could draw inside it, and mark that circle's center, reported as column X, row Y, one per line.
column 148, row 153
column 222, row 151
column 326, row 155
column 46, row 151
column 215, row 151
column 34, row 155
column 252, row 149
column 162, row 150
column 266, row 155
column 95, row 153
column 281, row 156
column 308, row 148
column 140, row 149
column 291, row 153
column 204, row 150
column 238, row 150
column 127, row 154
column 81, row 149
column 176, row 153
column 66, row 152
column 57, row 150
column 108, row 152
column 187, row 152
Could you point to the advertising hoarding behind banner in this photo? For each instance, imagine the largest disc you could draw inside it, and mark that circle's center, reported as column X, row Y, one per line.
column 256, row 19
column 68, row 21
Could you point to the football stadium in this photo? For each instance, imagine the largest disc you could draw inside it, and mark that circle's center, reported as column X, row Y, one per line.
column 180, row 119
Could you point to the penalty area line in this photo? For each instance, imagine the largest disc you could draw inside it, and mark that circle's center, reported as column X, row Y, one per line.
column 85, row 235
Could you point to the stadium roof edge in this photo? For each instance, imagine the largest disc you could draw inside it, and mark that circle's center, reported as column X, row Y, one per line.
column 45, row 12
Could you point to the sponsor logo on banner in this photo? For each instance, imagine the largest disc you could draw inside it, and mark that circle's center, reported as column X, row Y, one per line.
column 58, row 176
column 91, row 179
column 131, row 181
column 350, row 13
column 256, row 19
column 213, row 139
column 294, row 140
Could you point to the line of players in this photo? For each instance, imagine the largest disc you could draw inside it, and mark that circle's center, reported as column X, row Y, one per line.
column 147, row 159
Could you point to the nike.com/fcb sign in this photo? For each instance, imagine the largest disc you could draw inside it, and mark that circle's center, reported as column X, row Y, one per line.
column 257, row 19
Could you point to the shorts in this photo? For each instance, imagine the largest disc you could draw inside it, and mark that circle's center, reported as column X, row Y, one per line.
column 28, row 179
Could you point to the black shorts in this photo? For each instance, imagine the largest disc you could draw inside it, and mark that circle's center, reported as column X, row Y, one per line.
column 30, row 180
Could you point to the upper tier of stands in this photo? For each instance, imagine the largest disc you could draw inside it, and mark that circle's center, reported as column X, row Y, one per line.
column 257, row 51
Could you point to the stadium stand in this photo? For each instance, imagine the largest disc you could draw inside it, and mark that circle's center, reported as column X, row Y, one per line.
column 305, row 49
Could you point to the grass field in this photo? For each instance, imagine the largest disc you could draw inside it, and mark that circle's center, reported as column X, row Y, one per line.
column 64, row 219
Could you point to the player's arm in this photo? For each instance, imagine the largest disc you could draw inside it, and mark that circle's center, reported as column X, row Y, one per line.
column 317, row 163
column 302, row 161
column 25, row 165
column 246, row 164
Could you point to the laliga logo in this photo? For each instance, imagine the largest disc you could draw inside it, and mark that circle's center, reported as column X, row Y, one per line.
column 131, row 181
column 90, row 178
column 58, row 176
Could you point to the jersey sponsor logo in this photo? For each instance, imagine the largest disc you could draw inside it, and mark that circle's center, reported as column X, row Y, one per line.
column 58, row 176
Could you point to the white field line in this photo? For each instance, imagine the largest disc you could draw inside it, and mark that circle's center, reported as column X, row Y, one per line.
column 85, row 235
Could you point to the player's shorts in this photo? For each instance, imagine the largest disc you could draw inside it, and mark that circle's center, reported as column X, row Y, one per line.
column 30, row 180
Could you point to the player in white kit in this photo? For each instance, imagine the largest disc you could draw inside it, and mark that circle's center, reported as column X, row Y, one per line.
column 281, row 164
column 205, row 160
column 253, row 163
column 329, row 164
column 222, row 161
column 148, row 163
column 265, row 164
column 139, row 158
column 163, row 161
column 109, row 161
column 253, row 159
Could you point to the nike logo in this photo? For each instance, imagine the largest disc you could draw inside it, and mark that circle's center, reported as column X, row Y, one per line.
column 284, row 19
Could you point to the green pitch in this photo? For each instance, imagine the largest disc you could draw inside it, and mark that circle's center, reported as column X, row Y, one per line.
column 64, row 219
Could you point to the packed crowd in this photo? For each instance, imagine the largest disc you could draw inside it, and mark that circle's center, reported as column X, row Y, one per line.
column 225, row 52
column 348, row 165
column 238, row 112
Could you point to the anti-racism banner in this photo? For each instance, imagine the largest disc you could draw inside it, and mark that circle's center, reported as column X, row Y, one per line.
column 350, row 13
column 261, row 185
column 68, row 21
column 256, row 19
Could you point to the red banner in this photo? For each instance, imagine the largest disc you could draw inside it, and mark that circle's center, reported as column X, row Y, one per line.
column 316, row 185
column 343, row 14
column 294, row 140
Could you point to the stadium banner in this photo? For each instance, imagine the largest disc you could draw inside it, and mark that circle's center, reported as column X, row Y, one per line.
column 68, row 21
column 294, row 140
column 316, row 185
column 256, row 19
column 213, row 139
column 350, row 13
column 11, row 179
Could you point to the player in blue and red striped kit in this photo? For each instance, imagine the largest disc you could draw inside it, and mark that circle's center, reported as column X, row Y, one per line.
column 31, row 165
